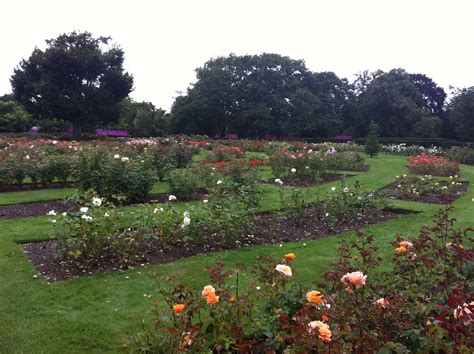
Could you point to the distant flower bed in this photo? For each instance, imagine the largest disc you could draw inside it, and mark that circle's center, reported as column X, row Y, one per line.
column 404, row 149
column 426, row 188
column 432, row 165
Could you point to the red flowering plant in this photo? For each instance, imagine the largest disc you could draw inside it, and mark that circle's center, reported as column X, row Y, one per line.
column 432, row 165
column 225, row 153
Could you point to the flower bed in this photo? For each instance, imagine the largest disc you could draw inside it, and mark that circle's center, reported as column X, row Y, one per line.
column 423, row 304
column 91, row 239
column 432, row 165
column 426, row 189
column 310, row 163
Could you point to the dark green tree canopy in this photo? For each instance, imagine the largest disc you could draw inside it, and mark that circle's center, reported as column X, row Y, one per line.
column 78, row 78
column 253, row 95
column 143, row 118
column 13, row 117
column 461, row 113
column 401, row 104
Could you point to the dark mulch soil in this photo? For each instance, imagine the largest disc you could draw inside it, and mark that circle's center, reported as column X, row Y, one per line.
column 269, row 228
column 390, row 191
column 308, row 181
column 34, row 186
column 16, row 211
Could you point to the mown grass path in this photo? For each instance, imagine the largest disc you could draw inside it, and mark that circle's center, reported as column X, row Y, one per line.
column 94, row 314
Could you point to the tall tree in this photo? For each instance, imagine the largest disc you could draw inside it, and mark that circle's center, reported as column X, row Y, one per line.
column 393, row 102
column 372, row 146
column 77, row 78
column 13, row 117
column 461, row 113
column 253, row 95
column 433, row 95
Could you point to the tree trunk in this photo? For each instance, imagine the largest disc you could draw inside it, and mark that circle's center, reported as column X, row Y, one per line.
column 76, row 130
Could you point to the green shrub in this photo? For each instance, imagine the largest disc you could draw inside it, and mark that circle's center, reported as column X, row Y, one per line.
column 183, row 183
column 114, row 177
column 93, row 235
column 346, row 204
column 12, row 171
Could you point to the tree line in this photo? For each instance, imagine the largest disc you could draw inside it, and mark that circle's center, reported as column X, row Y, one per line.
column 78, row 81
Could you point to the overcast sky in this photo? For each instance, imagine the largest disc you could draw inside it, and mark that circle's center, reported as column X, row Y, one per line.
column 164, row 41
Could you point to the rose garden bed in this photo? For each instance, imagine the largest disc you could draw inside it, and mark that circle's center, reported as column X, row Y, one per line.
column 426, row 189
column 268, row 228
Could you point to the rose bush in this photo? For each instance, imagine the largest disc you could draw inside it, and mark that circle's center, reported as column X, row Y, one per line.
column 422, row 304
column 416, row 187
column 432, row 165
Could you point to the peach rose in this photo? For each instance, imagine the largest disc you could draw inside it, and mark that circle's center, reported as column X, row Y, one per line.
column 382, row 302
column 314, row 296
column 356, row 279
column 208, row 289
column 179, row 308
column 284, row 269
column 323, row 329
column 400, row 249
column 290, row 256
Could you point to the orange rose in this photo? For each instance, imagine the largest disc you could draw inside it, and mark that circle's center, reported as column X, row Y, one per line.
column 400, row 249
column 232, row 298
column 323, row 329
column 290, row 256
column 314, row 296
column 356, row 258
column 179, row 308
column 212, row 299
column 325, row 317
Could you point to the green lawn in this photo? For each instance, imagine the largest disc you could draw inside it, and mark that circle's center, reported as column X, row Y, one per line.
column 94, row 314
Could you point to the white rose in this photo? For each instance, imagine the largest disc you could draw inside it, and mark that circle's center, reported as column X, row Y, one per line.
column 284, row 269
column 186, row 221
column 84, row 209
column 96, row 202
column 86, row 218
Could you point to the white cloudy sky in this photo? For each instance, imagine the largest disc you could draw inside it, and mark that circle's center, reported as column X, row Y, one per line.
column 164, row 41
